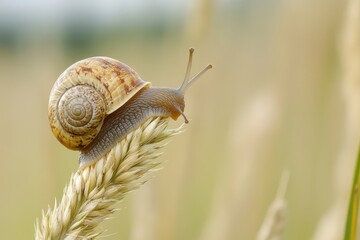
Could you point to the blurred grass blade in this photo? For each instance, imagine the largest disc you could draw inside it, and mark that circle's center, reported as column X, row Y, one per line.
column 352, row 216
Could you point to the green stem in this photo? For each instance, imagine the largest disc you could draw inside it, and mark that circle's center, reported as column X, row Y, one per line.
column 352, row 216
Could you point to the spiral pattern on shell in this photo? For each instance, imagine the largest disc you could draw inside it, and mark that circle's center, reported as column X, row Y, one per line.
column 81, row 112
column 85, row 94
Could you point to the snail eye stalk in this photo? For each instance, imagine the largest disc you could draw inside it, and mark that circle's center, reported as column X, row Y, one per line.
column 187, row 83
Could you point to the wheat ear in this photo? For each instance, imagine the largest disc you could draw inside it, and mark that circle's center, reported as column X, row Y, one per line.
column 274, row 222
column 93, row 190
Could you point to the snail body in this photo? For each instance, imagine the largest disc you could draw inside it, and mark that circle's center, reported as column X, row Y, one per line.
column 97, row 101
column 150, row 102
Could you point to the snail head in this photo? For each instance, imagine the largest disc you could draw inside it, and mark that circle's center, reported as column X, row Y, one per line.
column 187, row 83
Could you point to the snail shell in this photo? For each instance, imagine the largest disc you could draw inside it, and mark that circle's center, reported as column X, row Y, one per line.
column 97, row 101
column 85, row 94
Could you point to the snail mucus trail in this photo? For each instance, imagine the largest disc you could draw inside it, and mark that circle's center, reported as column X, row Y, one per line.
column 148, row 102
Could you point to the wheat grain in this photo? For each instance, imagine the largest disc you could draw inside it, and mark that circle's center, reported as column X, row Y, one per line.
column 89, row 197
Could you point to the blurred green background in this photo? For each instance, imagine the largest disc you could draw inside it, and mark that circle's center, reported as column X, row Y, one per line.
column 273, row 101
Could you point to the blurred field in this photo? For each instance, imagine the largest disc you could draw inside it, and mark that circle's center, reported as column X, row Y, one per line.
column 274, row 101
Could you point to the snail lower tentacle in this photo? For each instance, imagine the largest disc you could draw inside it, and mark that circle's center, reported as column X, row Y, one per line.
column 150, row 102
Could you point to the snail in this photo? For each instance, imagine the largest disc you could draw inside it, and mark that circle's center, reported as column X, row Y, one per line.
column 97, row 101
